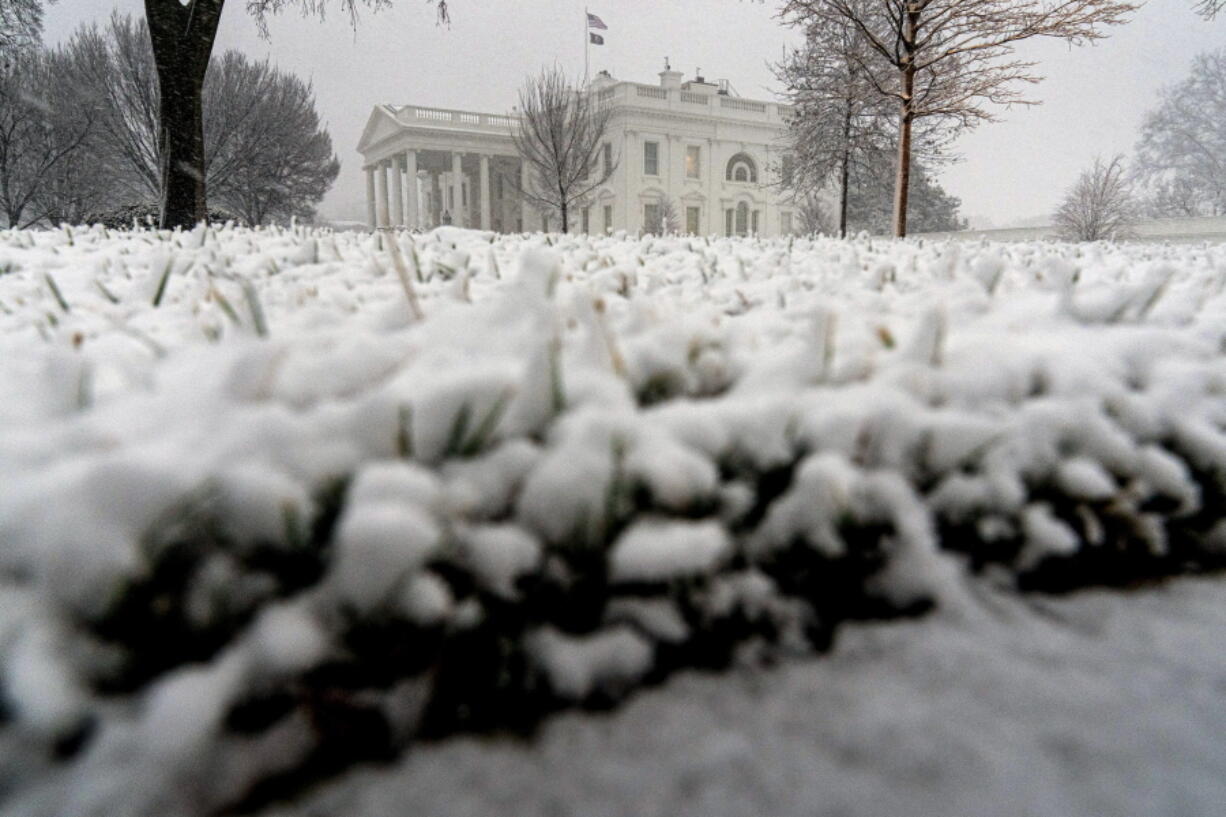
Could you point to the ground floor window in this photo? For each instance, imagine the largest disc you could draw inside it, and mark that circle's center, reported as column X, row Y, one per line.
column 691, row 220
column 587, row 212
column 754, row 222
column 742, row 218
column 608, row 217
column 651, row 218
column 785, row 223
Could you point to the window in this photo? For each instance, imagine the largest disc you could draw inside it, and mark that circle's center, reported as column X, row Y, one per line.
column 754, row 222
column 651, row 218
column 788, row 169
column 727, row 222
column 691, row 220
column 608, row 217
column 785, row 223
column 587, row 219
column 607, row 158
column 741, row 168
column 742, row 218
column 651, row 158
column 693, row 156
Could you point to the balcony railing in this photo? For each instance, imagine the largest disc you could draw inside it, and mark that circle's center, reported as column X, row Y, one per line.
column 466, row 119
column 742, row 104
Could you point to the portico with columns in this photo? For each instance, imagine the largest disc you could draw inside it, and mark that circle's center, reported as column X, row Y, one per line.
column 428, row 166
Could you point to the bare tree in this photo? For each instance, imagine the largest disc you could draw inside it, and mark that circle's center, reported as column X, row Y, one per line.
column 266, row 155
column 950, row 59
column 21, row 27
column 670, row 217
column 560, row 136
column 1181, row 156
column 837, row 118
column 814, row 214
column 43, row 124
column 1209, row 8
column 269, row 158
column 114, row 65
column 1100, row 205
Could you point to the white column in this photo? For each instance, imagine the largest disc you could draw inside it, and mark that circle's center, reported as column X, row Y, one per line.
column 436, row 198
column 457, row 191
column 370, row 197
column 485, row 192
column 397, row 193
column 523, row 200
column 381, row 193
column 410, row 179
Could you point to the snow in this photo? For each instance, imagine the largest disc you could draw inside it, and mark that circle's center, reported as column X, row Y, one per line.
column 231, row 455
column 1099, row 703
column 576, row 666
column 655, row 550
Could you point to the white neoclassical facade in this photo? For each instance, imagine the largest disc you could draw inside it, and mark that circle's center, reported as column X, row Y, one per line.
column 686, row 148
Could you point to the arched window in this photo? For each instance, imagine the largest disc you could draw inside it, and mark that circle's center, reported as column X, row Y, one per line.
column 742, row 219
column 741, row 168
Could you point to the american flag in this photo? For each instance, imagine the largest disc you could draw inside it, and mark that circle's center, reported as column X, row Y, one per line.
column 595, row 22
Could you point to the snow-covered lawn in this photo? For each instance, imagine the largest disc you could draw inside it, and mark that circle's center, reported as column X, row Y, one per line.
column 277, row 502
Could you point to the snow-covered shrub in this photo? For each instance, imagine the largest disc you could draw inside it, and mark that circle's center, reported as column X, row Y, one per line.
column 280, row 501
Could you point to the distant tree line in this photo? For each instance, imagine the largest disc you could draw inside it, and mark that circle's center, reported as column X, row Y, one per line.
column 1179, row 167
column 79, row 129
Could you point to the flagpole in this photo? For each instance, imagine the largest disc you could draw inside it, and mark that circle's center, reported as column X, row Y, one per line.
column 587, row 46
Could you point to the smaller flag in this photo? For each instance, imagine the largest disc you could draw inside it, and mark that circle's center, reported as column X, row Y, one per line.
column 595, row 38
column 595, row 22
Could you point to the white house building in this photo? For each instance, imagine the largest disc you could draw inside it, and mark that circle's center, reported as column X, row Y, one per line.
column 715, row 157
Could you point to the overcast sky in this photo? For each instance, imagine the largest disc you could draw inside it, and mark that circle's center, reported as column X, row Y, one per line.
column 1093, row 98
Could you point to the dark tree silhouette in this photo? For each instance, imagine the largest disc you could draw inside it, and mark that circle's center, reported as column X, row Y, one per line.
column 560, row 136
column 44, row 125
column 182, row 35
column 266, row 155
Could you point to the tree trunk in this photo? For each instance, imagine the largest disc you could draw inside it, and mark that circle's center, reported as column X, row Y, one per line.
column 906, row 115
column 845, row 172
column 182, row 38
column 902, row 181
column 565, row 219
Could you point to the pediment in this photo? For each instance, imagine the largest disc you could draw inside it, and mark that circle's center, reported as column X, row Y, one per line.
column 381, row 124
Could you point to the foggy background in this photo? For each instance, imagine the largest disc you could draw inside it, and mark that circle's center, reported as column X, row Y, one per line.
column 1012, row 172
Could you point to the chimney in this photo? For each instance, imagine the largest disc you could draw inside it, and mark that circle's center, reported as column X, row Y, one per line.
column 670, row 78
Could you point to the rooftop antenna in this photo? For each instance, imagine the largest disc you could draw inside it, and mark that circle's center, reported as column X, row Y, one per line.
column 667, row 67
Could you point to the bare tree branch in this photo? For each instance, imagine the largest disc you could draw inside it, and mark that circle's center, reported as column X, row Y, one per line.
column 560, row 137
column 950, row 59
